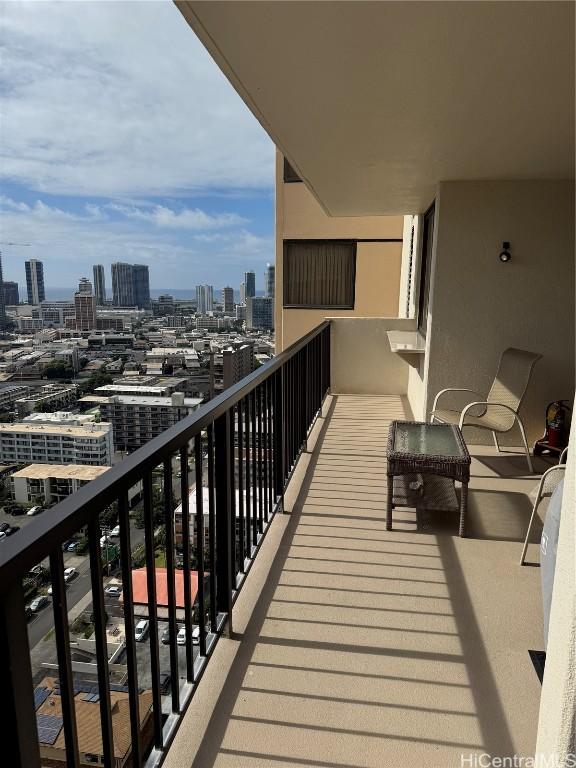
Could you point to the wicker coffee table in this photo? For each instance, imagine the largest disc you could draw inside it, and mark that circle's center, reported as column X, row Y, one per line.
column 421, row 448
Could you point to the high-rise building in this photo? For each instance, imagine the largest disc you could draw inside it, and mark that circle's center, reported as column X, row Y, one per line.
column 85, row 306
column 35, row 281
column 259, row 313
column 99, row 284
column 228, row 300
column 130, row 285
column 2, row 301
column 141, row 286
column 122, row 285
column 11, row 293
column 242, row 293
column 204, row 299
column 250, row 283
column 269, row 281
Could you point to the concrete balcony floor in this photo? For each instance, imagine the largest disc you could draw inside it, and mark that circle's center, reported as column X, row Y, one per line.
column 362, row 648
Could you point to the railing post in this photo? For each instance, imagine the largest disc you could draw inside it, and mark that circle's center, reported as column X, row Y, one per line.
column 20, row 742
column 279, row 438
column 223, row 517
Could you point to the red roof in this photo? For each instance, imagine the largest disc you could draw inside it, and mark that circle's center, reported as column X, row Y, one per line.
column 140, row 586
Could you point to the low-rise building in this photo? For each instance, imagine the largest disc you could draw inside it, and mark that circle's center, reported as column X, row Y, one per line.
column 136, row 419
column 56, row 444
column 144, row 386
column 49, row 396
column 51, row 483
column 12, row 392
column 87, row 717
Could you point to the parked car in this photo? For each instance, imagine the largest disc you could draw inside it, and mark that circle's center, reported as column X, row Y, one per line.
column 38, row 603
column 4, row 527
column 34, row 511
column 14, row 509
column 165, row 637
column 104, row 540
column 141, row 630
column 36, row 570
column 2, row 535
column 115, row 532
column 11, row 529
column 114, row 590
column 72, row 546
column 181, row 636
column 28, row 612
column 69, row 574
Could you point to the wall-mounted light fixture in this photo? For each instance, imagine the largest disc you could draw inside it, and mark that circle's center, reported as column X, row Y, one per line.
column 505, row 254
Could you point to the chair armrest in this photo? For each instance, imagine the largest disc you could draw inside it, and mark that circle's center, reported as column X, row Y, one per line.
column 451, row 389
column 548, row 483
column 563, row 456
column 484, row 403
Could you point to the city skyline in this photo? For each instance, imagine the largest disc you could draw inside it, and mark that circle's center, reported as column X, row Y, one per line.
column 105, row 188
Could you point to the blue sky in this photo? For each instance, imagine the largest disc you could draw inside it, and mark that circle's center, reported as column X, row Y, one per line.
column 123, row 141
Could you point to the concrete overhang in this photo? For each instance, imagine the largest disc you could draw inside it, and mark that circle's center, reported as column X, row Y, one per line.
column 374, row 103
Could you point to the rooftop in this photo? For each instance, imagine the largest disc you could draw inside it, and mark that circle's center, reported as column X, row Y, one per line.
column 61, row 471
column 86, row 430
column 165, row 402
column 88, row 718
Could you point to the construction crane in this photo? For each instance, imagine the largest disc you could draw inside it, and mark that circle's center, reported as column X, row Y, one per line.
column 8, row 242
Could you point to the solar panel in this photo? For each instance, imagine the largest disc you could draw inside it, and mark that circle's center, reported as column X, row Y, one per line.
column 49, row 726
column 91, row 697
column 40, row 696
column 119, row 688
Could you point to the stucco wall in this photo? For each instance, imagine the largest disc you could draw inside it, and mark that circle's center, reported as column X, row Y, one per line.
column 378, row 264
column 377, row 282
column 557, row 721
column 362, row 362
column 480, row 306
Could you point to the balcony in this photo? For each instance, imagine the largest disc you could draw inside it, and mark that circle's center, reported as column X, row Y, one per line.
column 316, row 637
column 357, row 646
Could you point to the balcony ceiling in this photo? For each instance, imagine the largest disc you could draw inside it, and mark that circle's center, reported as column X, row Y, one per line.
column 374, row 103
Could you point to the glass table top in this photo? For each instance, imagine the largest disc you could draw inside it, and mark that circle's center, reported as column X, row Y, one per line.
column 426, row 439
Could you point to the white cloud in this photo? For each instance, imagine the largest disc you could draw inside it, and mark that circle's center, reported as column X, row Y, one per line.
column 121, row 100
column 188, row 218
column 69, row 243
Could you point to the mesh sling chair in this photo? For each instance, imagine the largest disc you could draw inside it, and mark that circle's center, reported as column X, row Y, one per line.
column 498, row 412
column 546, row 487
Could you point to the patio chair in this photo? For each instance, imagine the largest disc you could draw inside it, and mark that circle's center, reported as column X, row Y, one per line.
column 498, row 412
column 546, row 487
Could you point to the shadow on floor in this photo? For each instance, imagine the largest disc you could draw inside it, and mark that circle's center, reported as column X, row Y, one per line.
column 401, row 672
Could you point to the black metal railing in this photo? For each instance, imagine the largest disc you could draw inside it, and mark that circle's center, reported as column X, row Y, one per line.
column 243, row 447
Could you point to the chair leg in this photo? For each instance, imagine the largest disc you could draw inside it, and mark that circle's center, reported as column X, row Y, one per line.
column 494, row 435
column 530, row 524
column 528, row 458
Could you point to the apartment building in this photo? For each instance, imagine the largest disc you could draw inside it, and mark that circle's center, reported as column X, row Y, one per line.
column 56, row 444
column 50, row 483
column 237, row 362
column 48, row 397
column 136, row 419
column 99, row 284
column 35, row 281
column 260, row 313
column 12, row 392
column 144, row 386
column 228, row 300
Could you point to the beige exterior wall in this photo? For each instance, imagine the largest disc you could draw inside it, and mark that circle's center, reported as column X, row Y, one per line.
column 378, row 264
column 479, row 306
column 362, row 362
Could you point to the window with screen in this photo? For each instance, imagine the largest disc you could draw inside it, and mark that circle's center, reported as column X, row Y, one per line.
column 319, row 274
